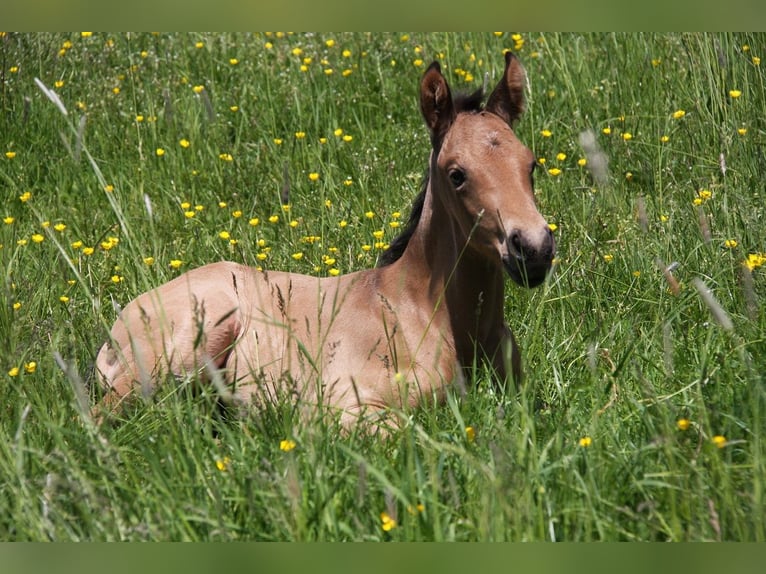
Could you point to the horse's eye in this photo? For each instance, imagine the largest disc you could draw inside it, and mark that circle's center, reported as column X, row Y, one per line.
column 457, row 177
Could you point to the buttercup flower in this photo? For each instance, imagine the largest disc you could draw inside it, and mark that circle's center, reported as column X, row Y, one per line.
column 387, row 523
column 287, row 445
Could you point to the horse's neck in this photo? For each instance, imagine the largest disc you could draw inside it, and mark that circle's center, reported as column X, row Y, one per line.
column 460, row 281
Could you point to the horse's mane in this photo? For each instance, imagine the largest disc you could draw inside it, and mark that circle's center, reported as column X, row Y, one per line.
column 469, row 103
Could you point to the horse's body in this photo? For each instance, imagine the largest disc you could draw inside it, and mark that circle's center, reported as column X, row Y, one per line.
column 376, row 338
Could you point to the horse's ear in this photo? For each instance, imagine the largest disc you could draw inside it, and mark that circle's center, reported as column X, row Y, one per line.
column 436, row 102
column 507, row 99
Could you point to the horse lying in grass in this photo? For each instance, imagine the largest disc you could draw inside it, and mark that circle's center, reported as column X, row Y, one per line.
column 376, row 339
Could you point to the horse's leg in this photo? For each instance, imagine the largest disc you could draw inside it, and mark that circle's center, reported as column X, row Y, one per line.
column 504, row 356
column 144, row 347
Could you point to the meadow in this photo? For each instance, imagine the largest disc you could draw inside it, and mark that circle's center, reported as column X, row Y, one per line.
column 643, row 415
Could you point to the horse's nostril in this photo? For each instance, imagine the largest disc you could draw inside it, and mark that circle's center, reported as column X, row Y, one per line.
column 515, row 242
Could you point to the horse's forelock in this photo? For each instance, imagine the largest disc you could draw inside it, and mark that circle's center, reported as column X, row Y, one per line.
column 469, row 102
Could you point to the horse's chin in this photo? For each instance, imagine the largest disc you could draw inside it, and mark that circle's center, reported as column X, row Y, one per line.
column 530, row 275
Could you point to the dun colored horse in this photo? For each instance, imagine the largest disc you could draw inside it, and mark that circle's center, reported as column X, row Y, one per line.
column 375, row 339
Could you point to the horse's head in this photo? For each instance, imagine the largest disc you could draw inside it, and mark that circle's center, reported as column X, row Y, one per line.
column 482, row 173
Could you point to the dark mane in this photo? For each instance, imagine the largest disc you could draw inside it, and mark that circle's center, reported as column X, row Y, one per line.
column 463, row 103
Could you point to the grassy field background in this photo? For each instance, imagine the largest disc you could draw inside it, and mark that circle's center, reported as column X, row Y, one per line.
column 643, row 413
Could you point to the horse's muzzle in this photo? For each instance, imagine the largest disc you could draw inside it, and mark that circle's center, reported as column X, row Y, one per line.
column 529, row 259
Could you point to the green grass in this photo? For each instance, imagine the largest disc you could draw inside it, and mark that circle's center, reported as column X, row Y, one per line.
column 612, row 353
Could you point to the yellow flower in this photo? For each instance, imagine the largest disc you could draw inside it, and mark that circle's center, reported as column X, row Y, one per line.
column 13, row 372
column 705, row 194
column 278, row 141
column 334, row 271
column 8, row 220
column 274, row 219
column 683, row 424
column 561, row 156
column 149, row 261
column 585, row 441
column 347, row 138
column 10, row 154
column 300, row 135
column 254, row 221
column 387, row 523
column 117, row 278
column 678, row 114
column 297, row 256
column 64, row 299
column 224, row 235
column 198, row 89
column 607, row 130
column 226, row 157
column 665, row 139
column 189, row 214
column 87, row 250
column 233, row 61
column 470, row 434
column 184, row 143
column 742, row 131
column 608, row 257
column 30, row 367
column 735, row 93
column 627, row 136
column 755, row 260
column 719, row 440
column 369, row 214
column 176, row 263
column 160, row 152
column 109, row 188
column 86, row 34
column 16, row 306
column 199, row 45
column 553, row 226
column 546, row 133
column 313, row 176
column 582, row 162
column 554, row 171
column 730, row 243
column 139, row 118
column 37, row 238
column 287, row 445
column 59, row 227
column 223, row 464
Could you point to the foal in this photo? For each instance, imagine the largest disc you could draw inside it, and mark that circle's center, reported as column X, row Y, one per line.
column 377, row 338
